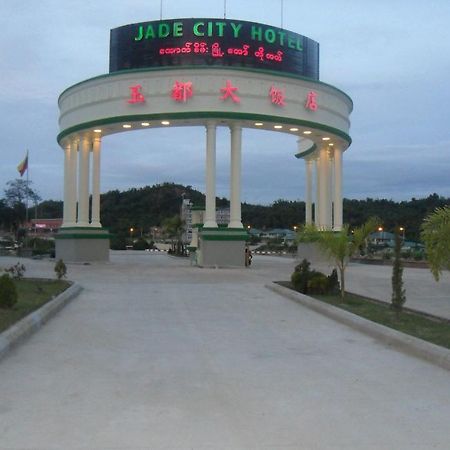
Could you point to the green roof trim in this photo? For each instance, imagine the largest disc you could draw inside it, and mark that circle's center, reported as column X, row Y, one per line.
column 224, row 237
column 83, row 228
column 306, row 152
column 82, row 236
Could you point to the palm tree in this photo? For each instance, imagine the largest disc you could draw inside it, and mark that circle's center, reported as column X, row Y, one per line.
column 340, row 246
column 174, row 227
column 436, row 236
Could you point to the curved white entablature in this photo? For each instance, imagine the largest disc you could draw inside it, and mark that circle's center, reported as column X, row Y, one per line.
column 141, row 99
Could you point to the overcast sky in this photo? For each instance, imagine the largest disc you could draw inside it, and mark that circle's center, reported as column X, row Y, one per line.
column 391, row 56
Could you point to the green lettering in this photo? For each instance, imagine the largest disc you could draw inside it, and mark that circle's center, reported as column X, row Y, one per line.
column 163, row 30
column 150, row 33
column 220, row 26
column 196, row 27
column 282, row 35
column 270, row 35
column 291, row 43
column 178, row 29
column 256, row 33
column 236, row 29
column 140, row 34
column 210, row 28
column 299, row 44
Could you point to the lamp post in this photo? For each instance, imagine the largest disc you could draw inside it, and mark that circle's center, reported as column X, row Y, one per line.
column 380, row 229
column 402, row 229
column 131, row 233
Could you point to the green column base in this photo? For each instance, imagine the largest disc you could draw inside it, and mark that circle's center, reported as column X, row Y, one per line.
column 221, row 247
column 82, row 244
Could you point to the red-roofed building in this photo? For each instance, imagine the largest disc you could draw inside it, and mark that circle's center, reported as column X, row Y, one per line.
column 44, row 226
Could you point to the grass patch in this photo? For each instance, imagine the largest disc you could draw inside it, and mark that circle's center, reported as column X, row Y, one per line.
column 412, row 323
column 32, row 293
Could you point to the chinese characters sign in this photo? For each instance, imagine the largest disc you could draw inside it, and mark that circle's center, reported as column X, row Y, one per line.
column 182, row 91
column 136, row 95
column 212, row 42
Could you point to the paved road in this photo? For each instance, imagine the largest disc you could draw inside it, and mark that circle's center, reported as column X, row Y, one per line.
column 155, row 354
column 422, row 291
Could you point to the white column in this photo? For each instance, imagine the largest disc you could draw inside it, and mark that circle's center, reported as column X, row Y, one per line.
column 324, row 181
column 72, row 183
column 308, row 196
column 317, row 201
column 67, row 150
column 235, row 177
column 70, row 190
column 329, row 218
column 210, row 206
column 83, row 182
column 338, row 216
column 95, row 220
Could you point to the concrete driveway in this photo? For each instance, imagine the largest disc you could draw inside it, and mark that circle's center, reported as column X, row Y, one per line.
column 155, row 354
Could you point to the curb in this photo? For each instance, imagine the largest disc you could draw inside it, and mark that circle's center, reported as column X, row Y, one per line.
column 410, row 345
column 17, row 333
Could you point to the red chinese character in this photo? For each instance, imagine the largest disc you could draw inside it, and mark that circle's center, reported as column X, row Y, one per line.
column 181, row 91
column 311, row 101
column 135, row 95
column 229, row 91
column 277, row 96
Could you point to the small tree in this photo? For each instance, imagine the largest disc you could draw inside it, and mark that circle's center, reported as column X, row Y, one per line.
column 17, row 271
column 174, row 227
column 436, row 236
column 398, row 293
column 341, row 245
column 8, row 292
column 60, row 269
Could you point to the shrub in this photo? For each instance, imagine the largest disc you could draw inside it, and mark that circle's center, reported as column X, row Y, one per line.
column 309, row 281
column 406, row 254
column 301, row 275
column 318, row 284
column 42, row 246
column 60, row 269
column 17, row 271
column 8, row 292
column 118, row 243
column 333, row 286
column 140, row 244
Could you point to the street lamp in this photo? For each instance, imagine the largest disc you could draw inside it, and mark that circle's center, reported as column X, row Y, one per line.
column 380, row 229
column 295, row 227
column 402, row 229
column 131, row 232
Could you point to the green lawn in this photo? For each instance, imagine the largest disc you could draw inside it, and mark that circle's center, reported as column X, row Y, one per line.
column 33, row 293
column 437, row 332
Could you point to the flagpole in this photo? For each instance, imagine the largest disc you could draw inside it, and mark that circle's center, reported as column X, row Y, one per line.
column 26, row 191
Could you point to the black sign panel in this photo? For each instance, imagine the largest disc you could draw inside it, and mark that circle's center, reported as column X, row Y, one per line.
column 212, row 42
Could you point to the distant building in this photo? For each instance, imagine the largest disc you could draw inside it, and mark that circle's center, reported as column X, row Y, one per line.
column 44, row 227
column 222, row 217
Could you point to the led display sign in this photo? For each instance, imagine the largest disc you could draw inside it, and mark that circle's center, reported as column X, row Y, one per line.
column 212, row 42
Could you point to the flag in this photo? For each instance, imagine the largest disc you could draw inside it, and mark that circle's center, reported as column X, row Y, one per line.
column 23, row 166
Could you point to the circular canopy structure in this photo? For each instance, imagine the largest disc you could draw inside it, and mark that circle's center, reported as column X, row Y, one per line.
column 186, row 71
column 207, row 72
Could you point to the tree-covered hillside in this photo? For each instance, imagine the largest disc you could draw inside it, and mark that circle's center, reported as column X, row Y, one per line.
column 146, row 207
